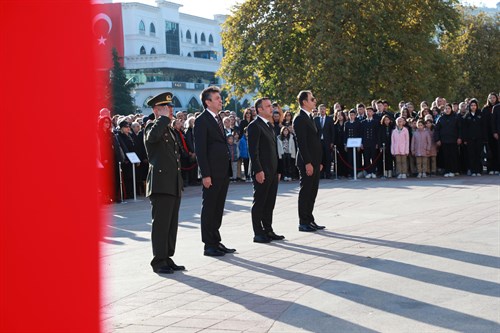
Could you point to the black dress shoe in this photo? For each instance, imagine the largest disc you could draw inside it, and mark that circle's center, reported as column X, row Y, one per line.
column 213, row 252
column 163, row 270
column 273, row 236
column 261, row 239
column 306, row 228
column 225, row 249
column 175, row 267
column 317, row 227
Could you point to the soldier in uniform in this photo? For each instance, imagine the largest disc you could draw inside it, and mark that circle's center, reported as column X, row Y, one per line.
column 163, row 183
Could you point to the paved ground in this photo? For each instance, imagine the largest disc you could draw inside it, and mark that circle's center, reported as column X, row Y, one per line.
column 397, row 256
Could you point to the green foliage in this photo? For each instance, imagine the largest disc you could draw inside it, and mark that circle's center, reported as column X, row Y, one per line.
column 121, row 100
column 344, row 50
column 475, row 52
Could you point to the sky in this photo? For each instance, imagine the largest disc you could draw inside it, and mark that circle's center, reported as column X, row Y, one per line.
column 208, row 8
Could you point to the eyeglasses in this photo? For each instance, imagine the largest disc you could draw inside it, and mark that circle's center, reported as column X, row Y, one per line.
column 313, row 99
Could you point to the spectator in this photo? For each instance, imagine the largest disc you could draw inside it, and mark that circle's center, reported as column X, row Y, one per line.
column 400, row 147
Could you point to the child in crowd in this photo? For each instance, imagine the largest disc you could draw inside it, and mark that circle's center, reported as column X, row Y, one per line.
column 431, row 161
column 412, row 128
column 286, row 151
column 400, row 147
column 236, row 140
column 420, row 148
column 243, row 146
column 234, row 155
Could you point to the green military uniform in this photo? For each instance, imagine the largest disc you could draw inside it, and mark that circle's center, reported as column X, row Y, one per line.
column 164, row 188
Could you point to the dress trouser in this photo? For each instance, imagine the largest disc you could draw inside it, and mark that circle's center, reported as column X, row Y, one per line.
column 165, row 214
column 264, row 199
column 212, row 209
column 307, row 195
column 474, row 149
column 450, row 157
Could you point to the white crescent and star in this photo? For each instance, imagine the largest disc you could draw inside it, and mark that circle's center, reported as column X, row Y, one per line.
column 107, row 19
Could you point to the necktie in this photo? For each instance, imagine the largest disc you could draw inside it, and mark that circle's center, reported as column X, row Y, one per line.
column 311, row 116
column 271, row 127
column 221, row 126
column 322, row 122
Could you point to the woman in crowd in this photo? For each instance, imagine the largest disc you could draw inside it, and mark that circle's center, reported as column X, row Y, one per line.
column 191, row 166
column 339, row 140
column 109, row 154
column 492, row 151
column 286, row 152
column 448, row 135
column 384, row 140
column 473, row 138
column 245, row 158
column 247, row 119
column 128, row 146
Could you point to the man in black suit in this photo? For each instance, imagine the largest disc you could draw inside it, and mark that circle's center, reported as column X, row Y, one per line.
column 264, row 160
column 213, row 159
column 163, row 183
column 324, row 125
column 308, row 160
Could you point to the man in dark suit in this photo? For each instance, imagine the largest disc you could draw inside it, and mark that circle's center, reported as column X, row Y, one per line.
column 163, row 183
column 324, row 125
column 213, row 159
column 264, row 160
column 369, row 134
column 308, row 160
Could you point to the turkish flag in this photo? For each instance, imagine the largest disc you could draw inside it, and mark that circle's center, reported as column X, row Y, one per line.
column 49, row 224
column 107, row 27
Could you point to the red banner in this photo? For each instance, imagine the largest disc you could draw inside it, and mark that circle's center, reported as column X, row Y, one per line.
column 49, row 221
column 107, row 27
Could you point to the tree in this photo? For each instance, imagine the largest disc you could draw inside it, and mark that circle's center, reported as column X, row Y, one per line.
column 121, row 100
column 343, row 50
column 475, row 53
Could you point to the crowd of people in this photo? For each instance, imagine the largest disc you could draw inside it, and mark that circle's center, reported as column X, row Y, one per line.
column 441, row 138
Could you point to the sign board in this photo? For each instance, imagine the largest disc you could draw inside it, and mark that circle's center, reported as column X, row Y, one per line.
column 353, row 142
column 132, row 157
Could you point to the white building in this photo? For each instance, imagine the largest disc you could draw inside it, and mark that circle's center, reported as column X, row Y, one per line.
column 168, row 50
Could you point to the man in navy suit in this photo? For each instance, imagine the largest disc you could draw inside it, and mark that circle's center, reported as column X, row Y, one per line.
column 308, row 160
column 264, row 160
column 324, row 124
column 213, row 160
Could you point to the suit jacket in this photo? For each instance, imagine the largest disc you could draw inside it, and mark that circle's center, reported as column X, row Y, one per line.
column 327, row 131
column 164, row 174
column 308, row 141
column 210, row 146
column 262, row 148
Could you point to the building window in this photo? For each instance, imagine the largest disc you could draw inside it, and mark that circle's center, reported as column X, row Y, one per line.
column 195, row 38
column 152, row 29
column 206, row 54
column 210, row 40
column 193, row 104
column 153, row 51
column 188, row 36
column 177, row 103
column 202, row 38
column 142, row 28
column 172, row 38
column 143, row 50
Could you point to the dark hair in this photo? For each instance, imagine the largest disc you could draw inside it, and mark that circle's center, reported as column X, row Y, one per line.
column 207, row 94
column 488, row 103
column 475, row 102
column 281, row 132
column 384, row 117
column 258, row 103
column 302, row 96
column 360, row 105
